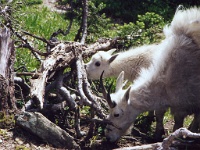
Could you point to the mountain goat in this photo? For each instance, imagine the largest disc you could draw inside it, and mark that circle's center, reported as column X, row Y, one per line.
column 130, row 62
column 172, row 79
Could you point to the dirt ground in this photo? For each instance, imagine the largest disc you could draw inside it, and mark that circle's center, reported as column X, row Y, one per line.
column 16, row 138
column 19, row 139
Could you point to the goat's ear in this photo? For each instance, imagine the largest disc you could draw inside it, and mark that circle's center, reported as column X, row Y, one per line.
column 119, row 82
column 193, row 30
column 111, row 51
column 126, row 95
column 112, row 58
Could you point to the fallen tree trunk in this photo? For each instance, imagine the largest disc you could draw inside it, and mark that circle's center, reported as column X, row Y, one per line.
column 171, row 142
column 7, row 57
column 39, row 125
column 182, row 132
column 153, row 146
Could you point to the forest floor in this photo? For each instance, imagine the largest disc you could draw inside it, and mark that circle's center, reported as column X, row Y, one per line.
column 16, row 138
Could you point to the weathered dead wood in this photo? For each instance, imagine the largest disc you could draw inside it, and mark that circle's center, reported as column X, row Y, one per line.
column 101, row 44
column 7, row 56
column 64, row 92
column 169, row 143
column 84, row 89
column 182, row 132
column 61, row 56
column 39, row 125
column 79, row 133
column 84, row 99
column 24, row 86
column 153, row 146
column 84, row 18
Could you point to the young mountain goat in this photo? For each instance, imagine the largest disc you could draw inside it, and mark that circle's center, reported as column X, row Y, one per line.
column 172, row 80
column 130, row 62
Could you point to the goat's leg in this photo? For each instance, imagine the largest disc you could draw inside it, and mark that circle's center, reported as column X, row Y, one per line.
column 159, row 125
column 179, row 119
column 195, row 124
column 151, row 116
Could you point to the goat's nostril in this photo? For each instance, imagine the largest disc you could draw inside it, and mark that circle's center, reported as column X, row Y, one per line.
column 85, row 66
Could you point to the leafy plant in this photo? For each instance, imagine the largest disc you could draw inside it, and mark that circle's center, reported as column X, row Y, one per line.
column 147, row 30
column 6, row 120
column 32, row 2
column 21, row 147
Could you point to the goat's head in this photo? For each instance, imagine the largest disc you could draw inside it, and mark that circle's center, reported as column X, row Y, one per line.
column 120, row 110
column 99, row 62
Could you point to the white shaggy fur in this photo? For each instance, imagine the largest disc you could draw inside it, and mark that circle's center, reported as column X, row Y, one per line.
column 130, row 62
column 172, row 80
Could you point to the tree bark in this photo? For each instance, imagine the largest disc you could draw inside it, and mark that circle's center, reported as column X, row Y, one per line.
column 39, row 125
column 60, row 57
column 7, row 56
column 84, row 17
column 171, row 142
column 153, row 146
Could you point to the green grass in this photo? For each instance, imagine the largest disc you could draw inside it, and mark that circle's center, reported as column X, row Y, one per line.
column 6, row 121
column 169, row 118
column 188, row 120
column 21, row 147
column 41, row 22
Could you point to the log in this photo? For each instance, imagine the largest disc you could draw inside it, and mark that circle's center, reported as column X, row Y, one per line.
column 153, row 146
column 171, row 142
column 39, row 125
column 179, row 133
column 7, row 57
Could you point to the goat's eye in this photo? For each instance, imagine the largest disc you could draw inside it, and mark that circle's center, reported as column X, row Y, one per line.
column 116, row 115
column 97, row 64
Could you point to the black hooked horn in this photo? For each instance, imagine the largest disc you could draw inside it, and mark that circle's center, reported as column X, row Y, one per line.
column 106, row 94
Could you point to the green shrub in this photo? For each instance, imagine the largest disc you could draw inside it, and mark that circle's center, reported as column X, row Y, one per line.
column 32, row 2
column 147, row 30
column 98, row 24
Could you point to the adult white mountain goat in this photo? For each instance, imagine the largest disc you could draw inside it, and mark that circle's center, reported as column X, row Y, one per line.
column 172, row 80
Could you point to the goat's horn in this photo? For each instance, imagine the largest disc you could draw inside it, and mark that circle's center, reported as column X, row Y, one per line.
column 106, row 94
